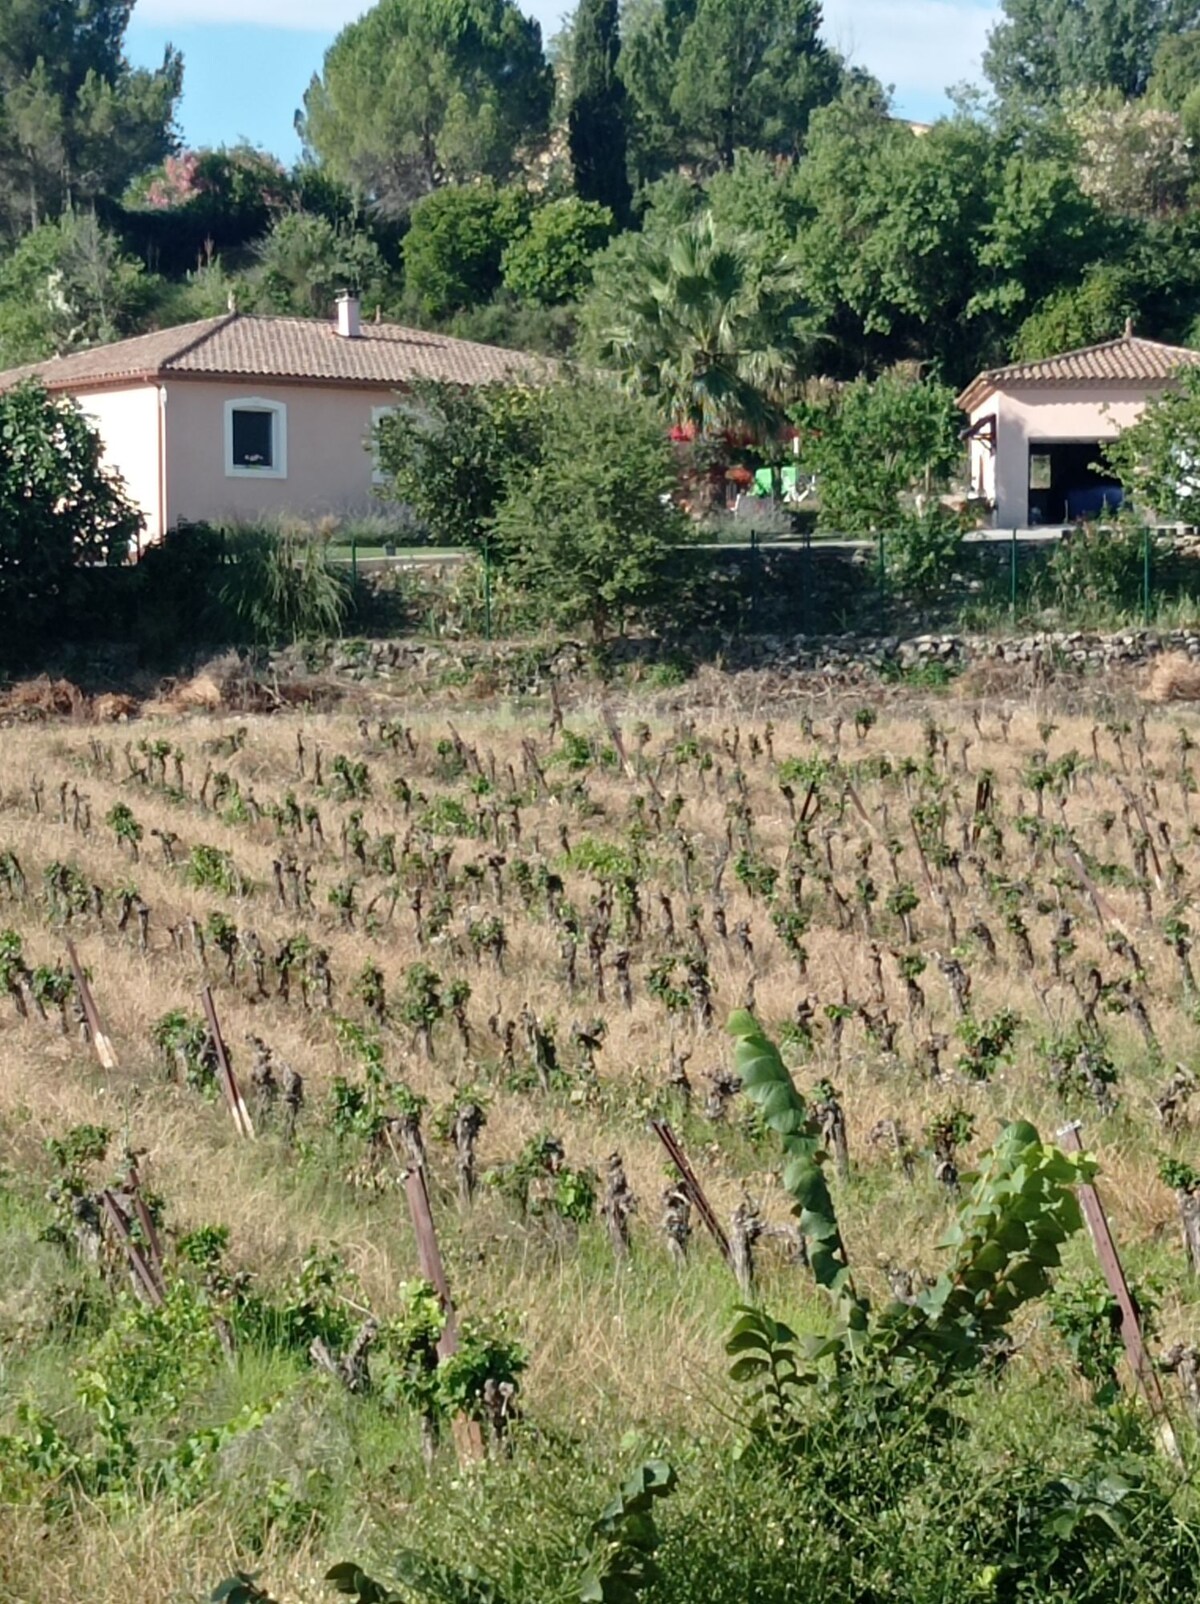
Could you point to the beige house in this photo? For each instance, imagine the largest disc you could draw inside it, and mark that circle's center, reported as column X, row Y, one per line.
column 240, row 416
column 1036, row 428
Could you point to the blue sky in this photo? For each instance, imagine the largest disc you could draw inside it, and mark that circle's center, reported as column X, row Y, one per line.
column 247, row 62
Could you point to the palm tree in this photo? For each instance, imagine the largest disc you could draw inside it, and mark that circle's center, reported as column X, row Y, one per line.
column 703, row 325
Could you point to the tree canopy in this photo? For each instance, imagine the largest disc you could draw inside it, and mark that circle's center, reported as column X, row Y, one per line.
column 59, row 506
column 550, row 261
column 76, row 120
column 749, row 74
column 1040, row 49
column 69, row 284
column 455, row 245
column 695, row 321
column 597, row 131
column 421, row 93
column 710, row 77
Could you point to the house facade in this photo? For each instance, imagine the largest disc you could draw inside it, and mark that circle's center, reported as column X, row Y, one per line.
column 238, row 417
column 1037, row 429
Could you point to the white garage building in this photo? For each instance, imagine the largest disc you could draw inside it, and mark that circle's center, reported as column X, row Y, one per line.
column 1036, row 428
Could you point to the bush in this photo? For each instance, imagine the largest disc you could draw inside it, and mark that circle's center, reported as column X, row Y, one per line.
column 923, row 549
column 551, row 261
column 1097, row 571
column 60, row 508
column 281, row 585
column 590, row 530
column 453, row 250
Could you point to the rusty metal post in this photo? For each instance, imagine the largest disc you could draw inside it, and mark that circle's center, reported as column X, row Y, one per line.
column 1145, row 1376
column 695, row 1191
column 229, row 1085
column 144, row 1273
column 468, row 1438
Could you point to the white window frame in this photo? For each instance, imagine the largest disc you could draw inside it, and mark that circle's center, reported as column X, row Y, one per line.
column 378, row 477
column 278, row 412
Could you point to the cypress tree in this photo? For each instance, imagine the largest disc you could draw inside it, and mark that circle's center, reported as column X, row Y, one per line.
column 596, row 125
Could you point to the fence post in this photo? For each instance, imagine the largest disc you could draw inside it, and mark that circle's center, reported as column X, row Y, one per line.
column 354, row 562
column 1146, row 575
column 487, row 588
column 808, row 582
column 882, row 573
column 1012, row 575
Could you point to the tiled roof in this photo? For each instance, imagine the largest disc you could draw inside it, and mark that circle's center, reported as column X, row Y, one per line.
column 1129, row 360
column 289, row 348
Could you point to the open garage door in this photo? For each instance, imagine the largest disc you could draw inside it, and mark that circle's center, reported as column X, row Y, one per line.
column 1065, row 483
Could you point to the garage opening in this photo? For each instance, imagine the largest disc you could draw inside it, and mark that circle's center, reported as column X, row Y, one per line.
column 1065, row 484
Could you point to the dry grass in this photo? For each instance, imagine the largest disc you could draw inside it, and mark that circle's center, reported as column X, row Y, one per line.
column 1173, row 677
column 611, row 1345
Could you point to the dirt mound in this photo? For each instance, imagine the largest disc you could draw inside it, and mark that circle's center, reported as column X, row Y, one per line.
column 112, row 706
column 33, row 699
column 227, row 685
column 202, row 692
column 991, row 677
column 1174, row 677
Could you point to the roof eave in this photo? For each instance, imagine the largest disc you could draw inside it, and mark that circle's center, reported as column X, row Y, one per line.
column 976, row 393
column 57, row 385
column 981, row 389
column 307, row 381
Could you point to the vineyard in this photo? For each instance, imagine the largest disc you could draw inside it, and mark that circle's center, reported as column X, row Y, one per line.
column 551, row 1152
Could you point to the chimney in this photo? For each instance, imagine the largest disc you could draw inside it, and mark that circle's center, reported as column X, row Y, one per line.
column 349, row 321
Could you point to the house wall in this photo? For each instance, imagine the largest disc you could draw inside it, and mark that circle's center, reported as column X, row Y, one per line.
column 1058, row 414
column 127, row 422
column 329, row 470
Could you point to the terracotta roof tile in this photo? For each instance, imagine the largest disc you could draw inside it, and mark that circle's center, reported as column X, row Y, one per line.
column 383, row 354
column 1129, row 360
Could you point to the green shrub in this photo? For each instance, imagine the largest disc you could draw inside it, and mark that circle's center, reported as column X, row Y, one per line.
column 279, row 585
column 1097, row 571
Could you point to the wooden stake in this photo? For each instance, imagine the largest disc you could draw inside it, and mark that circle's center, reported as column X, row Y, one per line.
column 695, row 1191
column 229, row 1085
column 468, row 1438
column 101, row 1041
column 1145, row 1376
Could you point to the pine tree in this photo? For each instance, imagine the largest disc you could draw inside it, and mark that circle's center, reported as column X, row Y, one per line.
column 76, row 120
column 596, row 125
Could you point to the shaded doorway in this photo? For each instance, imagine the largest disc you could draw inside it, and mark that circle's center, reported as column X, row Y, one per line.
column 1066, row 484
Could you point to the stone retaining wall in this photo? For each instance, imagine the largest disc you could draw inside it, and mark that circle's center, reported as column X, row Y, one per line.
column 512, row 666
